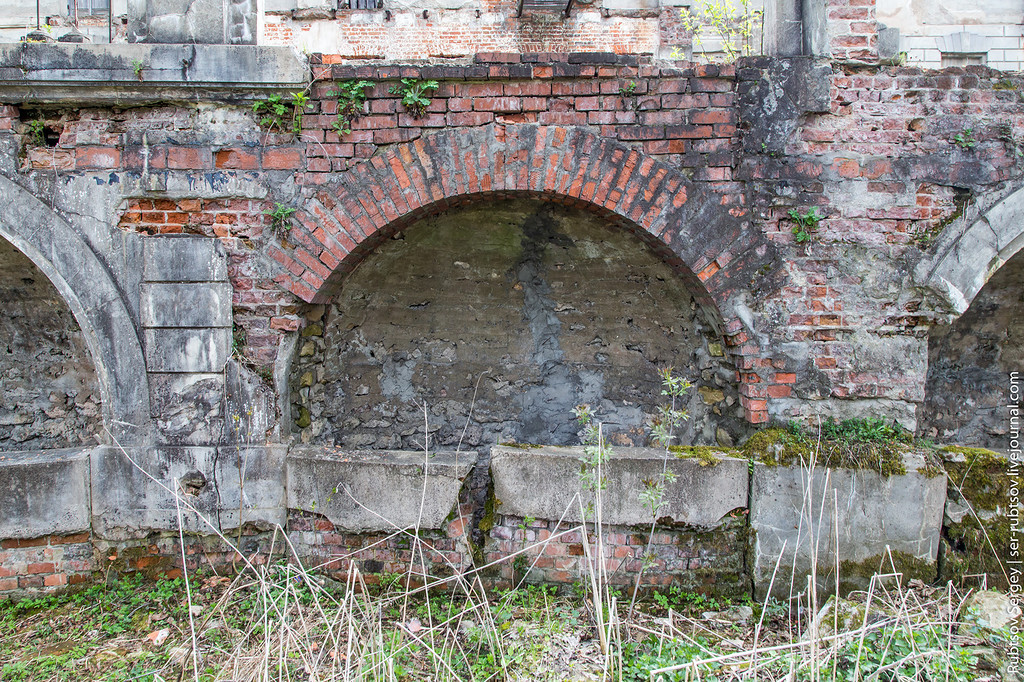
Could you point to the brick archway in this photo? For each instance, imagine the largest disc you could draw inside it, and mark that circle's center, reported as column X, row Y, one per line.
column 701, row 232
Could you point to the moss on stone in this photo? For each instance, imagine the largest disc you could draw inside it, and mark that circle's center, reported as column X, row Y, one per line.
column 980, row 476
column 908, row 565
column 978, row 544
column 783, row 447
column 776, row 447
column 522, row 446
column 706, row 455
column 303, row 419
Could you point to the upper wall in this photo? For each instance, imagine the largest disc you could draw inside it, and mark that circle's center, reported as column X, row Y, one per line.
column 941, row 33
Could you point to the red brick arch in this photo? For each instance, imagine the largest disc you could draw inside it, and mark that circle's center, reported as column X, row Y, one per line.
column 702, row 232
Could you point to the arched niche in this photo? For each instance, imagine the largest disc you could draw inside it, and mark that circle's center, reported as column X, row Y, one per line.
column 499, row 318
column 51, row 394
column 970, row 362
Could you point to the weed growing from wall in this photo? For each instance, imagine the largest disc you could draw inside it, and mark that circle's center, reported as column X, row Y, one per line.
column 280, row 217
column 351, row 96
column 806, row 224
column 414, row 94
column 282, row 115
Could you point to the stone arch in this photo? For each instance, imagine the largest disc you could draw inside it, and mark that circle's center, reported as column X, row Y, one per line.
column 966, row 258
column 705, row 235
column 83, row 281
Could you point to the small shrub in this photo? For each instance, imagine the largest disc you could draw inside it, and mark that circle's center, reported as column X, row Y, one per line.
column 414, row 94
column 280, row 217
column 351, row 96
column 806, row 224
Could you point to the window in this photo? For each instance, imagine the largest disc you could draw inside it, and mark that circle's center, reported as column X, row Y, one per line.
column 87, row 7
column 964, row 58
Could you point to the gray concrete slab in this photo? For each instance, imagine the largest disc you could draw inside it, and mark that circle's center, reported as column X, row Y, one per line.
column 544, row 482
column 376, row 490
column 44, row 492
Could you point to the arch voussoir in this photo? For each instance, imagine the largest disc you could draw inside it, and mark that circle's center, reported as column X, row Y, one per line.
column 688, row 224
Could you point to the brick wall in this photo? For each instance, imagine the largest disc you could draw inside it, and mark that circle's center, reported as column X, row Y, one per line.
column 701, row 560
column 882, row 166
column 46, row 563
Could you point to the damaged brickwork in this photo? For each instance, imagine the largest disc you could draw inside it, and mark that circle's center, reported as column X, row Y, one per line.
column 551, row 230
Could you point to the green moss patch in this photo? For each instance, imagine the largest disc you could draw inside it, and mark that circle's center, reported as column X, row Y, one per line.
column 977, row 543
column 791, row 446
column 705, row 455
column 980, row 476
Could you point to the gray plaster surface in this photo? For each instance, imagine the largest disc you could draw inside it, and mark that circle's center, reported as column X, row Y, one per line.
column 184, row 259
column 44, row 492
column 375, row 490
column 797, row 513
column 187, row 350
column 544, row 482
column 186, row 304
column 134, row 489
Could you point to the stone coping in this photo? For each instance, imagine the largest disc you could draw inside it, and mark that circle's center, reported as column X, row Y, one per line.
column 122, row 74
column 544, row 482
column 376, row 490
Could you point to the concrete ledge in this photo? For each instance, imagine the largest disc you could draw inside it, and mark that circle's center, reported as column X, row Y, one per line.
column 388, row 483
column 142, row 73
column 543, row 482
column 219, row 483
column 789, row 506
column 45, row 492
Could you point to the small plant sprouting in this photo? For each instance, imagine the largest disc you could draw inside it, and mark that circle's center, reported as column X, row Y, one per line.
column 965, row 139
column 414, row 94
column 285, row 115
column 351, row 99
column 280, row 217
column 806, row 224
column 37, row 131
column 628, row 94
column 137, row 66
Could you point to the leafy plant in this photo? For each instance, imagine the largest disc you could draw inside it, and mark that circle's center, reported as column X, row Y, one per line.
column 806, row 224
column 351, row 96
column 280, row 216
column 137, row 66
column 414, row 94
column 732, row 25
column 965, row 139
column 278, row 113
column 37, row 131
column 628, row 93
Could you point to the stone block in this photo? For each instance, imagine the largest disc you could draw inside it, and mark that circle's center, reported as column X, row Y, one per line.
column 44, row 492
column 183, row 259
column 376, row 490
column 134, row 489
column 205, row 304
column 187, row 350
column 796, row 514
column 544, row 482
